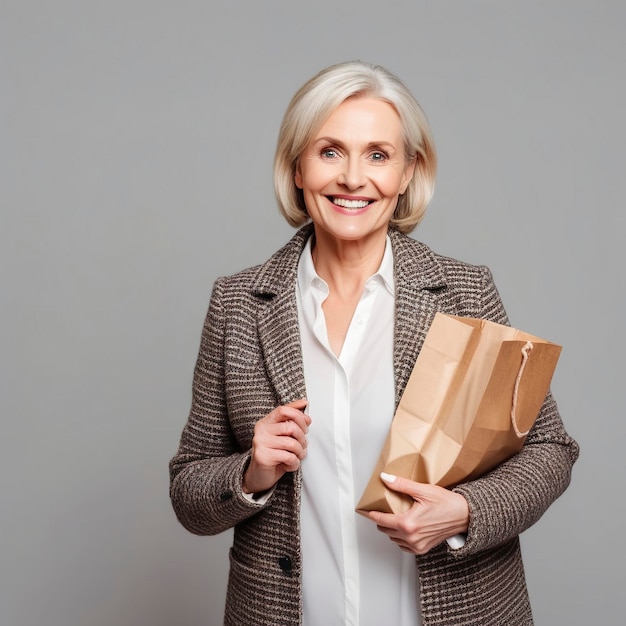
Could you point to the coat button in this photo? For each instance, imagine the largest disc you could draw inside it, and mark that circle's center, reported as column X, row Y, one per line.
column 226, row 495
column 285, row 564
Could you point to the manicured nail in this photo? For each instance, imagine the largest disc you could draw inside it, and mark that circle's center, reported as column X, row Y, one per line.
column 388, row 478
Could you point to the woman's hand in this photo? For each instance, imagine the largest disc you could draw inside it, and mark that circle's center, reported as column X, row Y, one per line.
column 436, row 515
column 278, row 445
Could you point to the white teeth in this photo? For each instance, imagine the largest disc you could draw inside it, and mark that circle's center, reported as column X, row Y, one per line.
column 350, row 204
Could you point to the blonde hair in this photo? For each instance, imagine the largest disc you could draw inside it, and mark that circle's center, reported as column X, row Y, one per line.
column 316, row 100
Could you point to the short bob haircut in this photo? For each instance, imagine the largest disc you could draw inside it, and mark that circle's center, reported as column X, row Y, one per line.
column 316, row 100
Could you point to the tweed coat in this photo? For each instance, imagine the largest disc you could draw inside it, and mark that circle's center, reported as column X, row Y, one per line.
column 250, row 361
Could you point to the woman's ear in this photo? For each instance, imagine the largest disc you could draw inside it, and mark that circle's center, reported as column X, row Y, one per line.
column 408, row 173
column 298, row 176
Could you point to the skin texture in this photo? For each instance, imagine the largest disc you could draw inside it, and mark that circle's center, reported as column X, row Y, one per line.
column 351, row 175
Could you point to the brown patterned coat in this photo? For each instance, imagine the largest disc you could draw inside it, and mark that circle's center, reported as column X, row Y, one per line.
column 250, row 361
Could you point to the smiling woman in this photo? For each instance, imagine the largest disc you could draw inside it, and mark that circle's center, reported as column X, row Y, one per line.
column 302, row 363
column 353, row 171
column 351, row 175
column 318, row 99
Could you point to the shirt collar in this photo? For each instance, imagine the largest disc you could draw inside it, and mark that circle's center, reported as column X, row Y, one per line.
column 308, row 277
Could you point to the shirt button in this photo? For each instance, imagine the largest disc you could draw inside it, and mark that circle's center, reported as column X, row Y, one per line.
column 226, row 495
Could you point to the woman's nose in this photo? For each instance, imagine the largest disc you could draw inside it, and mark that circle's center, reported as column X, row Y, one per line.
column 351, row 175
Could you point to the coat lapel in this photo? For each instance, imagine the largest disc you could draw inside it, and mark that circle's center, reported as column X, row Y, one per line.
column 277, row 319
column 419, row 280
column 280, row 342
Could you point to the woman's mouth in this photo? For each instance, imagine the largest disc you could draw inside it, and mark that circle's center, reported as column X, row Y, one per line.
column 349, row 204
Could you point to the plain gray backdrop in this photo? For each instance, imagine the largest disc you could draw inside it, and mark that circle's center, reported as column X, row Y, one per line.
column 136, row 143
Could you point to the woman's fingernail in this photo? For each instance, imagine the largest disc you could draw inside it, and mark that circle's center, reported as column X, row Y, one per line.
column 388, row 478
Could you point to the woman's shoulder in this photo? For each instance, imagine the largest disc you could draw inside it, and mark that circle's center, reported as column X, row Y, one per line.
column 461, row 288
column 275, row 274
column 418, row 258
column 241, row 279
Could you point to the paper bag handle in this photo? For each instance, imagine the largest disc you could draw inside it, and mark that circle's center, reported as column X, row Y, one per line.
column 525, row 350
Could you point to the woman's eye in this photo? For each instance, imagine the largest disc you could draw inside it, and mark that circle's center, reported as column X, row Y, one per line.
column 378, row 156
column 329, row 153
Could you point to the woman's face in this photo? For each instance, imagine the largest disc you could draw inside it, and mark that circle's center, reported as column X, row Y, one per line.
column 354, row 169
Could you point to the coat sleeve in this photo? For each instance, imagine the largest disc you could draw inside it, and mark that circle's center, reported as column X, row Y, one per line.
column 207, row 471
column 512, row 497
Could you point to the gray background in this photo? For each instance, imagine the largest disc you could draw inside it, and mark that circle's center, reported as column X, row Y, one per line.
column 136, row 141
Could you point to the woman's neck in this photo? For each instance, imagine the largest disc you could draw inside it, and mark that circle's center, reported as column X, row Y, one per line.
column 345, row 265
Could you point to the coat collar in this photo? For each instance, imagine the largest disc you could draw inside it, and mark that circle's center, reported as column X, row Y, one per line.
column 414, row 263
column 280, row 271
column 419, row 278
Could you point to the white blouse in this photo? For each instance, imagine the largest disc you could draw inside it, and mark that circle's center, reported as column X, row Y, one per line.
column 352, row 573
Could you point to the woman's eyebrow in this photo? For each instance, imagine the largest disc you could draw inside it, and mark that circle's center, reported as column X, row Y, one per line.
column 370, row 144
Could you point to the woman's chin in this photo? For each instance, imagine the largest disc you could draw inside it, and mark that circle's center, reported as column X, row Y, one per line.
column 350, row 230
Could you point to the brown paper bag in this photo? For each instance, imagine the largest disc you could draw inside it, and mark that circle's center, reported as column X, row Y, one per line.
column 473, row 395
